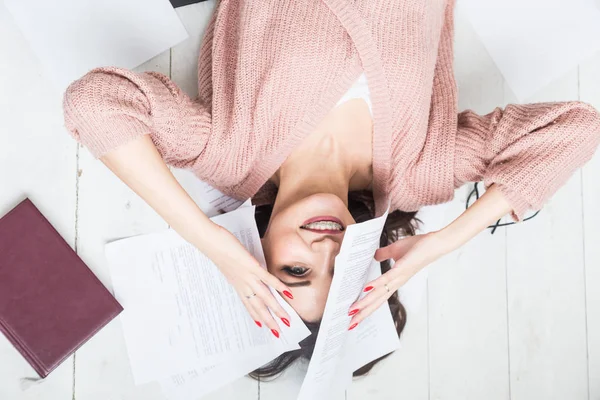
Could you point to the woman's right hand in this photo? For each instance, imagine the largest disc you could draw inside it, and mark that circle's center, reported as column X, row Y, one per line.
column 141, row 167
column 249, row 279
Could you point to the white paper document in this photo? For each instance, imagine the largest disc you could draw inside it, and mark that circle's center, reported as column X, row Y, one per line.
column 534, row 42
column 194, row 384
column 72, row 37
column 339, row 352
column 187, row 328
column 181, row 315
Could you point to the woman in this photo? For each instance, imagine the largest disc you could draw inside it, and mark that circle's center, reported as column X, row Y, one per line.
column 278, row 118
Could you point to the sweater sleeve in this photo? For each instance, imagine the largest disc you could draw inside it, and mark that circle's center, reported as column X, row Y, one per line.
column 528, row 151
column 109, row 107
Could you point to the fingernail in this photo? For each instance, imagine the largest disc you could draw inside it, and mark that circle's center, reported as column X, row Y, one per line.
column 368, row 288
column 285, row 321
column 258, row 323
column 351, row 313
column 275, row 333
column 288, row 294
column 352, row 326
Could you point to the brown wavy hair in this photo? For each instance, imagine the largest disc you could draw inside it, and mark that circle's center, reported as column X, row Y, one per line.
column 362, row 208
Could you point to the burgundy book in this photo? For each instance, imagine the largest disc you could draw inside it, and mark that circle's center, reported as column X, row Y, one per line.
column 50, row 301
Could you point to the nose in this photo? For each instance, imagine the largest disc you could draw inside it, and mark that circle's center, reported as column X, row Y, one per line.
column 326, row 244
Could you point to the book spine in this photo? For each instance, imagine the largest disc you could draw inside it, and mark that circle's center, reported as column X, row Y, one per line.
column 22, row 348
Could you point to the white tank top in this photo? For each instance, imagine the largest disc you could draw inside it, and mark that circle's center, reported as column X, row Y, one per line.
column 359, row 90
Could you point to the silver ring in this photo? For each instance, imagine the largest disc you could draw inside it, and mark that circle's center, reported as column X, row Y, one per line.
column 386, row 287
column 250, row 296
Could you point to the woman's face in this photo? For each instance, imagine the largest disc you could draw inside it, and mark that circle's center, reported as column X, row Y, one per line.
column 300, row 246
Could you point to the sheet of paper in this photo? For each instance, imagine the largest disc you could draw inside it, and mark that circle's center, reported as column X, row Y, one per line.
column 209, row 199
column 375, row 337
column 201, row 381
column 181, row 314
column 197, row 383
column 534, row 42
column 71, row 37
column 326, row 373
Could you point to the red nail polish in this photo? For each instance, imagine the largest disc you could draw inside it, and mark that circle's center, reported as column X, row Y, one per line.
column 368, row 288
column 275, row 333
column 352, row 326
column 285, row 321
column 288, row 294
column 258, row 323
column 355, row 311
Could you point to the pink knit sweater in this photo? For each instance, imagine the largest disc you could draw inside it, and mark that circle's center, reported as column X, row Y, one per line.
column 270, row 70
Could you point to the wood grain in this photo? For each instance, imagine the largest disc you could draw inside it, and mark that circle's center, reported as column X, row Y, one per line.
column 589, row 84
column 37, row 160
column 546, row 287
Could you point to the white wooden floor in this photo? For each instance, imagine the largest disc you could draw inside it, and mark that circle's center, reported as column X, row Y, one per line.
column 515, row 315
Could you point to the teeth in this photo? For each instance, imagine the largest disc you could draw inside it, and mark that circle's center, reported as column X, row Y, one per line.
column 324, row 226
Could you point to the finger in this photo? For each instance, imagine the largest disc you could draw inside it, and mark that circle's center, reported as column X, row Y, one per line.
column 275, row 283
column 360, row 317
column 375, row 289
column 262, row 310
column 396, row 250
column 385, row 253
column 376, row 296
column 269, row 300
column 255, row 316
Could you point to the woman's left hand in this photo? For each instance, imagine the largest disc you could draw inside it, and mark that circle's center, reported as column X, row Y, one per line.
column 410, row 254
column 413, row 253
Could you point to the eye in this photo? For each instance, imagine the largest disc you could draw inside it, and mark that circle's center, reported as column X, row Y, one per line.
column 295, row 270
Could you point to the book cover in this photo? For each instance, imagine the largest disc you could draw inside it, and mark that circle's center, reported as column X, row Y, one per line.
column 50, row 301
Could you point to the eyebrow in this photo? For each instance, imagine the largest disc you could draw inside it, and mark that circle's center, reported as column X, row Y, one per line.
column 296, row 284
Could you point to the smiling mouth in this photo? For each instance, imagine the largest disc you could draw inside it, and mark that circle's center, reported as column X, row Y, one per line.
column 325, row 225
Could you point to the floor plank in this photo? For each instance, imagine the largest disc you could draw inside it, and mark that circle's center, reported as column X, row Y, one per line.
column 589, row 83
column 467, row 289
column 287, row 386
column 546, row 303
column 109, row 210
column 407, row 367
column 468, row 349
column 37, row 160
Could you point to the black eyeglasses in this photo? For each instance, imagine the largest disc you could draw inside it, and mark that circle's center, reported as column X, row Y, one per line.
column 499, row 223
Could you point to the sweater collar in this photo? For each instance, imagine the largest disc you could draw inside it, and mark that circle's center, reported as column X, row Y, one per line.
column 372, row 66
